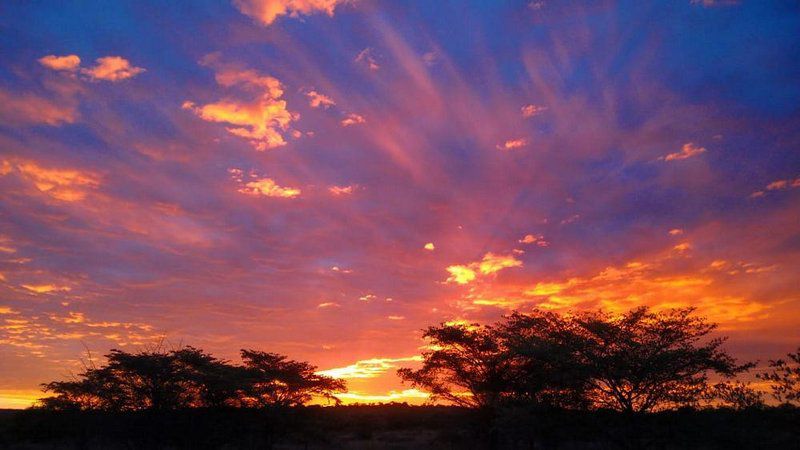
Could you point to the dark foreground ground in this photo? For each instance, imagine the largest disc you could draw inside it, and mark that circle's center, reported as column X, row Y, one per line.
column 399, row 427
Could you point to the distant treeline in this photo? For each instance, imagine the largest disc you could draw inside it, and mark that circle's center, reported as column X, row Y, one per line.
column 639, row 361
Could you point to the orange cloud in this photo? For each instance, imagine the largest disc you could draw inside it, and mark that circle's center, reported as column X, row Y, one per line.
column 328, row 305
column 512, row 144
column 45, row 288
column 687, row 151
column 460, row 274
column 317, row 100
column 682, row 247
column 19, row 398
column 777, row 185
column 368, row 368
column 532, row 110
column 533, row 239
column 658, row 283
column 353, row 119
column 490, row 264
column 268, row 188
column 261, row 121
column 61, row 184
column 429, row 246
column 341, row 190
column 67, row 63
column 266, row 11
column 112, row 68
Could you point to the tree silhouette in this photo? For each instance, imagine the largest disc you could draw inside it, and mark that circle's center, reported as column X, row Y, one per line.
column 638, row 361
column 466, row 366
column 736, row 395
column 784, row 378
column 547, row 369
column 275, row 380
column 187, row 378
column 643, row 360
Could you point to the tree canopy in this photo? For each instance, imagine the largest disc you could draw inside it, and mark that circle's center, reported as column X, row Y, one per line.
column 188, row 377
column 637, row 361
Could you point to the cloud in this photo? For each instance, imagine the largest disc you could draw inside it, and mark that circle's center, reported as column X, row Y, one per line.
column 62, row 184
column 328, row 305
column 260, row 121
column 533, row 239
column 353, row 119
column 69, row 63
column 46, row 288
column 107, row 68
column 460, row 274
column 490, row 264
column 682, row 247
column 532, row 110
column 512, row 144
column 368, row 368
column 777, row 185
column 687, row 151
column 393, row 396
column 675, row 232
column 29, row 109
column 112, row 68
column 317, row 100
column 267, row 187
column 429, row 246
column 266, row 11
column 341, row 190
column 395, row 317
column 365, row 57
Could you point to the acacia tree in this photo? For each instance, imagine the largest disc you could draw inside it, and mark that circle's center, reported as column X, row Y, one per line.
column 188, row 378
column 784, row 378
column 638, row 361
column 643, row 360
column 465, row 366
column 275, row 380
column 543, row 348
column 736, row 395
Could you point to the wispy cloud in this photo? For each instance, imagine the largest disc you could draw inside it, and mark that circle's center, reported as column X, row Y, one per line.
column 688, row 150
column 368, row 368
column 365, row 57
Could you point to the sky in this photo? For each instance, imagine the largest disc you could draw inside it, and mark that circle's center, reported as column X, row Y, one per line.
column 326, row 178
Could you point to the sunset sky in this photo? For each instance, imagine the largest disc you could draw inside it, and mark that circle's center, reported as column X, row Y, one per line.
column 324, row 178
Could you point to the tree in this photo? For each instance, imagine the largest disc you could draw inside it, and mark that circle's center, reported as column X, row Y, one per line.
column 544, row 350
column 643, row 360
column 275, row 380
column 188, row 378
column 465, row 366
column 784, row 378
column 736, row 395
